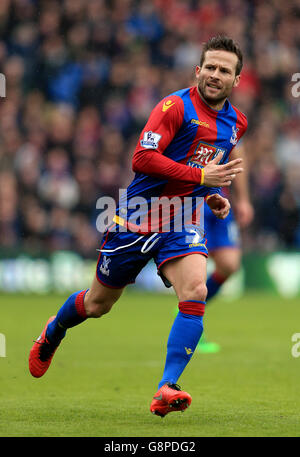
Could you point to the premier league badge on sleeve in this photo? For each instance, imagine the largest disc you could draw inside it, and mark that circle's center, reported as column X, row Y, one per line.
column 150, row 140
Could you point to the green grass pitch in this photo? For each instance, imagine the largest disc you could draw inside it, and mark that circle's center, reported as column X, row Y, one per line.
column 106, row 371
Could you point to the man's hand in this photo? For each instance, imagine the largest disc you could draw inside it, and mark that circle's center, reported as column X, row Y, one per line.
column 221, row 175
column 219, row 205
column 244, row 212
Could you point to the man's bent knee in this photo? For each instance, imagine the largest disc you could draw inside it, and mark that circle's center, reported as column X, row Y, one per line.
column 230, row 268
column 227, row 261
column 196, row 291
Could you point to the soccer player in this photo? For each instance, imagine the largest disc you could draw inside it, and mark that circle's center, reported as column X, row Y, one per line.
column 183, row 152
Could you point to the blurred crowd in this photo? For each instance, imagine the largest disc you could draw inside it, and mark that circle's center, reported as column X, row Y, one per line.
column 81, row 79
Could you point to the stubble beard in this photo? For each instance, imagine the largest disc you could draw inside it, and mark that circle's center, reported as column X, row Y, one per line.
column 211, row 100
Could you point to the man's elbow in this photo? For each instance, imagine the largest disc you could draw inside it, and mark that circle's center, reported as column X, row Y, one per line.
column 136, row 166
column 139, row 161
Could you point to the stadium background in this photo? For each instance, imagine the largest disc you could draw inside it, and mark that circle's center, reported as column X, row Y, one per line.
column 81, row 80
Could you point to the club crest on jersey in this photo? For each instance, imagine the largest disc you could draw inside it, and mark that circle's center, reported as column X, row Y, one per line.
column 104, row 267
column 150, row 140
column 203, row 154
column 234, row 138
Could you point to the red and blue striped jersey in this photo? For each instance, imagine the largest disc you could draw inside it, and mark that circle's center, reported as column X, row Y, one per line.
column 185, row 130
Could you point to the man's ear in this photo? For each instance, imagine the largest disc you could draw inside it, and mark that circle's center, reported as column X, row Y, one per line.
column 237, row 80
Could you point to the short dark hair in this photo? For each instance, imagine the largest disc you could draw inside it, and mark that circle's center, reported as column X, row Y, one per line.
column 223, row 43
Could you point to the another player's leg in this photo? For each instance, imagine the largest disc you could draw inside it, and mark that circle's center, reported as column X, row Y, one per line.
column 93, row 302
column 188, row 277
column 227, row 262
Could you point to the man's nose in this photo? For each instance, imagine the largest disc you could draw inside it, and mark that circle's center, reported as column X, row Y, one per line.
column 216, row 74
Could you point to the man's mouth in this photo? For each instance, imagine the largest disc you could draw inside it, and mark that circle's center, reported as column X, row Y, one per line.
column 213, row 86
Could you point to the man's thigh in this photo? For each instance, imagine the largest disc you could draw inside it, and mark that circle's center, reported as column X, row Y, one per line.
column 227, row 259
column 181, row 259
column 187, row 274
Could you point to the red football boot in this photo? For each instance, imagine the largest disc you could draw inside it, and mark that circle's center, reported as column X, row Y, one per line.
column 169, row 398
column 41, row 353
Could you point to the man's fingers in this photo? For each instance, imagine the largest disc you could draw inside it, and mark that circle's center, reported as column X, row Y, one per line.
column 232, row 172
column 221, row 214
column 237, row 170
column 216, row 196
column 232, row 163
column 217, row 158
column 228, row 177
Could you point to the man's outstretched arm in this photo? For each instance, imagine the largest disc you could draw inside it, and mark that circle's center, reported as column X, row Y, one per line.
column 153, row 163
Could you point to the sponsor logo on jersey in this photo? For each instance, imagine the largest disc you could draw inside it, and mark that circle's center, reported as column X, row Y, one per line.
column 150, row 140
column 202, row 123
column 167, row 105
column 194, row 245
column 203, row 154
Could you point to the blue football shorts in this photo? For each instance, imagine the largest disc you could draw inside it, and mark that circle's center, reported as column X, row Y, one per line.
column 220, row 233
column 124, row 254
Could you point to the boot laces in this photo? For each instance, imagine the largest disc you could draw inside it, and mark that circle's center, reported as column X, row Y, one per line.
column 46, row 350
column 173, row 386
